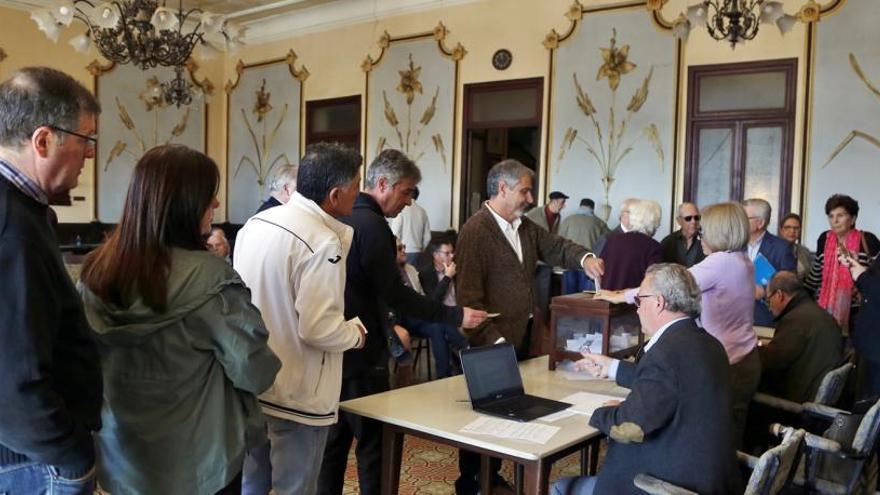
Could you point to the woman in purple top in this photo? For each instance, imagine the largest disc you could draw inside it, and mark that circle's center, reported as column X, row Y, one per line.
column 726, row 279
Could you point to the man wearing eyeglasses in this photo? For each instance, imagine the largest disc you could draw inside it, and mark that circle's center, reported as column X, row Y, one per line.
column 683, row 245
column 50, row 379
column 774, row 250
column 675, row 423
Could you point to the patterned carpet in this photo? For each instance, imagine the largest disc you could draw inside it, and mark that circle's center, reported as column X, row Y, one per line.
column 430, row 468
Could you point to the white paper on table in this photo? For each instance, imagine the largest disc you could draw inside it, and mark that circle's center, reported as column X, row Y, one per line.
column 512, row 430
column 550, row 418
column 576, row 375
column 587, row 403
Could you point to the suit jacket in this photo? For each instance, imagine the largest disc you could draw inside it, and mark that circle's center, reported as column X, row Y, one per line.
column 780, row 254
column 675, row 250
column 807, row 344
column 491, row 277
column 373, row 286
column 675, row 424
column 539, row 216
column 866, row 339
column 627, row 257
column 271, row 202
column 434, row 288
column 583, row 229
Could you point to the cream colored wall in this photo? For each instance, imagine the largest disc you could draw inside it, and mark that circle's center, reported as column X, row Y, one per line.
column 333, row 57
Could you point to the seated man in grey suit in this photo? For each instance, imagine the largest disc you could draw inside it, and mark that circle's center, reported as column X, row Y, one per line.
column 675, row 424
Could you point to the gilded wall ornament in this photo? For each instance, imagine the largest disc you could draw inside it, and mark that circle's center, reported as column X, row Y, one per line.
column 154, row 102
column 855, row 133
column 615, row 139
column 408, row 132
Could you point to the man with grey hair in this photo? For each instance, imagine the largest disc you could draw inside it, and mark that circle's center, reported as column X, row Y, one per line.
column 773, row 250
column 50, row 379
column 683, row 246
column 679, row 399
column 622, row 228
column 281, row 187
column 373, row 288
column 293, row 259
column 498, row 251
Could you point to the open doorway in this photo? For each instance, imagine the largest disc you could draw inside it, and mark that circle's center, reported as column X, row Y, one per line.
column 502, row 119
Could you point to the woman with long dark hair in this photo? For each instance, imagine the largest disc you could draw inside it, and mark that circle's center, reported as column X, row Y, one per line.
column 183, row 350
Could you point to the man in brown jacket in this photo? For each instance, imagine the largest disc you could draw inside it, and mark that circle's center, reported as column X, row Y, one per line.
column 497, row 253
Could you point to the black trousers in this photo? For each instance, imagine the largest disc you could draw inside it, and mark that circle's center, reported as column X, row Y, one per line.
column 468, row 481
column 369, row 439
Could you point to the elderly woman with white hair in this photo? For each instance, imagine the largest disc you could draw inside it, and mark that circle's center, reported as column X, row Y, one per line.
column 628, row 255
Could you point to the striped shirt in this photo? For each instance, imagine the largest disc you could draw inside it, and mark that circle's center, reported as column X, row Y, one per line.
column 23, row 182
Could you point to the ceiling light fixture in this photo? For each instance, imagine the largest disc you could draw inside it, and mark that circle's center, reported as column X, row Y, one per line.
column 144, row 33
column 733, row 20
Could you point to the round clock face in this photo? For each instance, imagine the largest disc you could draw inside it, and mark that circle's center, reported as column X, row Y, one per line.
column 501, row 59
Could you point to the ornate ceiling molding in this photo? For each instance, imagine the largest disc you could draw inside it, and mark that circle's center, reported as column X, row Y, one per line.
column 290, row 59
column 439, row 33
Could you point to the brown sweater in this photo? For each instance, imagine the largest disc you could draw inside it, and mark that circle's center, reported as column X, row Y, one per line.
column 491, row 277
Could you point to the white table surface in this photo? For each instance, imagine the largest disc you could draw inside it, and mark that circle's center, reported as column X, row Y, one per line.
column 441, row 408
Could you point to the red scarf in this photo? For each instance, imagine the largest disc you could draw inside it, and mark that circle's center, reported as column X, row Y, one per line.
column 837, row 283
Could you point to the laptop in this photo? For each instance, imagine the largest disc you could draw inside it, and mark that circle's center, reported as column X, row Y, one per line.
column 495, row 385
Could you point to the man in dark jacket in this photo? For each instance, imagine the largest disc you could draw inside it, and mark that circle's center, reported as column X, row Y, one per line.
column 683, row 246
column 675, row 423
column 281, row 187
column 865, row 337
column 50, row 380
column 373, row 287
column 807, row 343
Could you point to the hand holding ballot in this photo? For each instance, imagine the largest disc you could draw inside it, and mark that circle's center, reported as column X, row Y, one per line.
column 594, row 364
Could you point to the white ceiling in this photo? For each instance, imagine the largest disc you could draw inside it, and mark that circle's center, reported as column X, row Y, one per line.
column 269, row 20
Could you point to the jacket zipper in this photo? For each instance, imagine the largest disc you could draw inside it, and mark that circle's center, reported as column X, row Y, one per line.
column 321, row 372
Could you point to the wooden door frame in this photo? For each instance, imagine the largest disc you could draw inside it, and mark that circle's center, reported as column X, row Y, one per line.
column 468, row 125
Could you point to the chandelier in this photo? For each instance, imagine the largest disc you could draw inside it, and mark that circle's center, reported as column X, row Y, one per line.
column 144, row 33
column 734, row 20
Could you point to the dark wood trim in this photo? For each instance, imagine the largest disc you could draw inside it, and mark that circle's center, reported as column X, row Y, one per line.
column 468, row 125
column 470, row 90
column 697, row 72
column 740, row 121
column 350, row 135
column 807, row 129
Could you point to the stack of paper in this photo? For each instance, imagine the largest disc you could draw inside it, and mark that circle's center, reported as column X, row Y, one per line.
column 511, row 430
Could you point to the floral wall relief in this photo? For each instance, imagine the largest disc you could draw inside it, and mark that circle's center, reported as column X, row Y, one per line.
column 613, row 140
column 408, row 141
column 264, row 105
column 263, row 138
column 410, row 104
column 145, row 139
column 135, row 119
column 856, row 133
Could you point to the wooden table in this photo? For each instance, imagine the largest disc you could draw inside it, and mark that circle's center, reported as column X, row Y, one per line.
column 437, row 410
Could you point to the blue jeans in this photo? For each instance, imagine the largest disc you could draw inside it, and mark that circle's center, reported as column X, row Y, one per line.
column 295, row 451
column 580, row 485
column 39, row 479
column 443, row 338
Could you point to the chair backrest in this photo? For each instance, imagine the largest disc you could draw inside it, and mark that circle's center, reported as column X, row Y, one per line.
column 831, row 386
column 866, row 435
column 774, row 467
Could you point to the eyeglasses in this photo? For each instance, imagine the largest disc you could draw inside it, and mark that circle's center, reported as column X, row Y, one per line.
column 638, row 300
column 401, row 247
column 90, row 140
column 688, row 218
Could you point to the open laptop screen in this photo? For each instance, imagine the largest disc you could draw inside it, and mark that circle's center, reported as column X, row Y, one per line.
column 491, row 372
